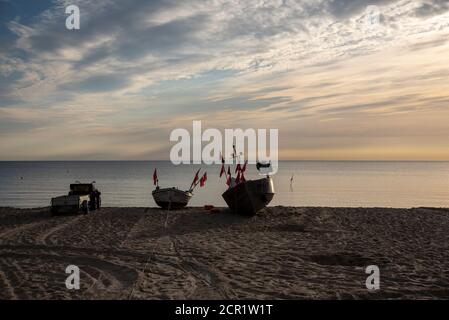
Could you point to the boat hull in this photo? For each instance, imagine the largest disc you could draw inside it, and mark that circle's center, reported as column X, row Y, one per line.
column 249, row 197
column 171, row 198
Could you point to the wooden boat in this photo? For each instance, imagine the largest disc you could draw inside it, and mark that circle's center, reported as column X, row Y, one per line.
column 249, row 197
column 171, row 198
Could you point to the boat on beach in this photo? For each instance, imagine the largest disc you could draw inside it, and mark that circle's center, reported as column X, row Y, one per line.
column 249, row 197
column 174, row 198
column 171, row 198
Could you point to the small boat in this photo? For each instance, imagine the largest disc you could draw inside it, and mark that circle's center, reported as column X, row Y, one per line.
column 174, row 198
column 261, row 165
column 171, row 198
column 249, row 197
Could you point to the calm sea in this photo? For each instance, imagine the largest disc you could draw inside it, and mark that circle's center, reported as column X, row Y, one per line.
column 316, row 183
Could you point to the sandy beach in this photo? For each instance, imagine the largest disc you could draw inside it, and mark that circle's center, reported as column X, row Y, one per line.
column 283, row 253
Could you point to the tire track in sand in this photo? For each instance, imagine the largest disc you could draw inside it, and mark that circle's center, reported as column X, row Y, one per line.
column 213, row 281
column 43, row 238
column 8, row 234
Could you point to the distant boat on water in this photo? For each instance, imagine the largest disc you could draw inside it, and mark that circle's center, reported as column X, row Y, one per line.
column 174, row 198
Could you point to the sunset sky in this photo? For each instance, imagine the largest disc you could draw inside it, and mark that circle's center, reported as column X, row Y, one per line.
column 336, row 86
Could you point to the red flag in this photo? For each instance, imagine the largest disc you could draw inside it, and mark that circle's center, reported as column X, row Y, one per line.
column 242, row 178
column 237, row 180
column 203, row 179
column 238, row 168
column 222, row 170
column 228, row 181
column 155, row 177
column 229, row 171
column 196, row 177
column 244, row 166
column 222, row 160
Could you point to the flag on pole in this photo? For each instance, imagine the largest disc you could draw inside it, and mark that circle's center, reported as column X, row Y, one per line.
column 237, row 180
column 222, row 170
column 244, row 166
column 203, row 179
column 195, row 180
column 238, row 168
column 222, row 159
column 155, row 177
column 228, row 176
column 228, row 181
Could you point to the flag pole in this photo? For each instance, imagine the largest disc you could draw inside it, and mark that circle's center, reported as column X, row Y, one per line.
column 155, row 178
column 190, row 189
column 223, row 162
column 198, row 182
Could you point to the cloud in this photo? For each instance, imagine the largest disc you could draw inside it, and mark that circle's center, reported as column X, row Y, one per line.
column 165, row 39
column 97, row 83
column 135, row 63
column 431, row 8
column 347, row 8
column 433, row 43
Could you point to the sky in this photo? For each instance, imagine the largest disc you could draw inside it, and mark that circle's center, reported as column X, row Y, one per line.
column 337, row 84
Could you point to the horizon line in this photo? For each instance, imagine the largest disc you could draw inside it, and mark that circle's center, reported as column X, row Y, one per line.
column 288, row 160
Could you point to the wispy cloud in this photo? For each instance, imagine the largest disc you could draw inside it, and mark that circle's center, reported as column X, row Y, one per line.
column 310, row 67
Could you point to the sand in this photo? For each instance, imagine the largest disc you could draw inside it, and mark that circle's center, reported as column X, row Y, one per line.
column 283, row 253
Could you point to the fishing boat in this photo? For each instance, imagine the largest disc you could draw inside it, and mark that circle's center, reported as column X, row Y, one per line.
column 249, row 197
column 171, row 198
column 174, row 198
